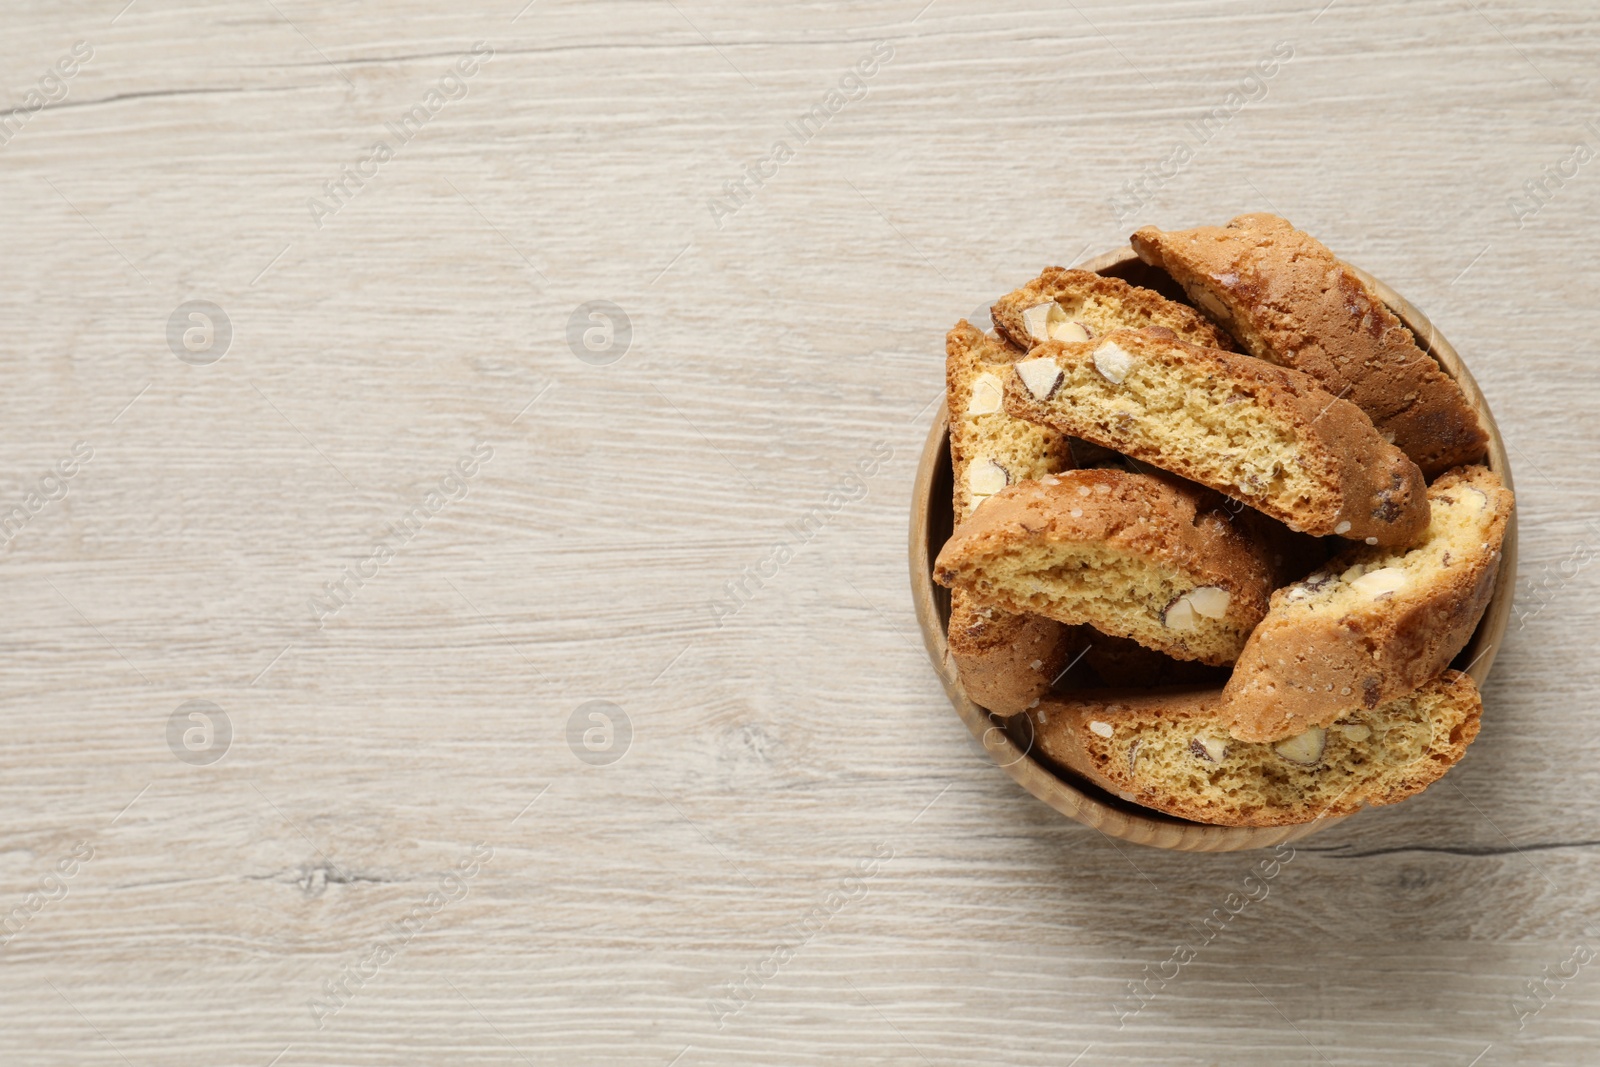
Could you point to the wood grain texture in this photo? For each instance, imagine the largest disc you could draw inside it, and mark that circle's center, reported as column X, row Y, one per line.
column 795, row 788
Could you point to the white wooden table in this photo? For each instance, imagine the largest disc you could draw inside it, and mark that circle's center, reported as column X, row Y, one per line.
column 394, row 834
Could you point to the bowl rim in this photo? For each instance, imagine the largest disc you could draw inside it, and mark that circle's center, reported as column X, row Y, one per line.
column 1082, row 801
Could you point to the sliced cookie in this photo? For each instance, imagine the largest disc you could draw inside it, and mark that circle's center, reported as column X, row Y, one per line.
column 990, row 449
column 1141, row 556
column 1265, row 435
column 1291, row 301
column 1008, row 661
column 1169, row 750
column 1373, row 623
column 1078, row 305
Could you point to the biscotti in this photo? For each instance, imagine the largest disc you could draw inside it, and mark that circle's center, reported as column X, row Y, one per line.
column 1008, row 661
column 1142, row 556
column 1005, row 661
column 1265, row 435
column 1373, row 623
column 990, row 449
column 1170, row 750
column 1287, row 299
column 1078, row 305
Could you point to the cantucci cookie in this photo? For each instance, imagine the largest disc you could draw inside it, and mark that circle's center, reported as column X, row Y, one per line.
column 990, row 449
column 1266, row 435
column 1291, row 301
column 1078, row 305
column 1169, row 750
column 994, row 651
column 1133, row 555
column 1007, row 661
column 1373, row 623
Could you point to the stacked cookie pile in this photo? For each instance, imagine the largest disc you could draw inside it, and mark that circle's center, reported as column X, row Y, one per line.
column 1216, row 557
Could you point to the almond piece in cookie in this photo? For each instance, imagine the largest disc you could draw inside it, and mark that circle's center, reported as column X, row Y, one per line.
column 1169, row 750
column 1142, row 556
column 1078, row 305
column 1373, row 623
column 1265, row 435
column 1291, row 301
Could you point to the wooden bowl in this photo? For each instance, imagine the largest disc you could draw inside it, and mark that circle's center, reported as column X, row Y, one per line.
column 931, row 523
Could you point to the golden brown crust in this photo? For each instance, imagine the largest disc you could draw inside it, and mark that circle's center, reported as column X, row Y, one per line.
column 1142, row 746
column 1172, row 535
column 1023, row 449
column 1103, row 304
column 1007, row 661
column 1364, row 487
column 1326, row 647
column 1291, row 301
